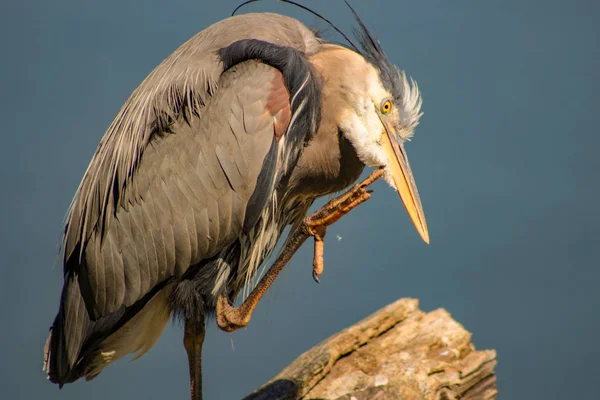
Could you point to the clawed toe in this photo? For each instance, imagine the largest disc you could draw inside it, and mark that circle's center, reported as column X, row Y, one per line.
column 316, row 224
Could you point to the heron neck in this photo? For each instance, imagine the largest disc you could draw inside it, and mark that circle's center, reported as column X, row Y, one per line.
column 328, row 164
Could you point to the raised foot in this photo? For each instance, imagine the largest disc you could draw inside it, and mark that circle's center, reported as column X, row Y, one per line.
column 316, row 224
column 230, row 318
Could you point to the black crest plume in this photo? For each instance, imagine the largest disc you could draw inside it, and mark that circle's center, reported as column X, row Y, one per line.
column 316, row 14
column 369, row 47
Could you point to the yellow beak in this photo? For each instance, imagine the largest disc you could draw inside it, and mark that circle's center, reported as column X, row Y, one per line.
column 402, row 176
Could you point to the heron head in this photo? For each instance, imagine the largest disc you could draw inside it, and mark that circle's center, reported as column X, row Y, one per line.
column 377, row 108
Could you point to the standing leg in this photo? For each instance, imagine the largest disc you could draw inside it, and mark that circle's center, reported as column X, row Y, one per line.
column 192, row 341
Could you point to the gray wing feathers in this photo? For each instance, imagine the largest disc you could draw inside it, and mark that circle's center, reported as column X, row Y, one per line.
column 178, row 87
column 169, row 183
column 192, row 187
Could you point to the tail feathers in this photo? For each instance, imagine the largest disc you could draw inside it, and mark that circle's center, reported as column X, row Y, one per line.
column 78, row 347
column 66, row 335
column 137, row 336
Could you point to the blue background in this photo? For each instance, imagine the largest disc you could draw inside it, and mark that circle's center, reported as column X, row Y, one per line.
column 505, row 160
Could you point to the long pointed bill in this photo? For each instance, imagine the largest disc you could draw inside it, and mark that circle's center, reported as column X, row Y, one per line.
column 402, row 176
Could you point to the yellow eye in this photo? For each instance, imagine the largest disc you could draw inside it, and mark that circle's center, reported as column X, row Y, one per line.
column 386, row 107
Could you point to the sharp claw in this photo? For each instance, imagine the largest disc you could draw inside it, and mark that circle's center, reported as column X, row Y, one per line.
column 316, row 223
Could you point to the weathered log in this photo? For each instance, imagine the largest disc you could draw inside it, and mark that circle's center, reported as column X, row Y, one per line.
column 399, row 352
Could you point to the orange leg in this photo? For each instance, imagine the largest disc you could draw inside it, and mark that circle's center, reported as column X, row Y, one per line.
column 230, row 318
column 192, row 341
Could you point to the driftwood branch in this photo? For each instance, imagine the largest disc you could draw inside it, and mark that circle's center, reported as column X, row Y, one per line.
column 399, row 352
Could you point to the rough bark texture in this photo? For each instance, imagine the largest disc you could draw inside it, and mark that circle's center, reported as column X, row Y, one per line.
column 399, row 352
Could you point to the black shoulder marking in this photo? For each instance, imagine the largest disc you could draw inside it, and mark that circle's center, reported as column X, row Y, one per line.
column 304, row 86
column 299, row 78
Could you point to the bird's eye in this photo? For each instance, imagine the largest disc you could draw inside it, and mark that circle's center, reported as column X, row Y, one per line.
column 386, row 106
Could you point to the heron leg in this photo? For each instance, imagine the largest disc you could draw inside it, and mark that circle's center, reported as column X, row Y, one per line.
column 230, row 318
column 192, row 341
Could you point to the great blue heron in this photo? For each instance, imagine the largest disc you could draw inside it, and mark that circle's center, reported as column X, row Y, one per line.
column 227, row 142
